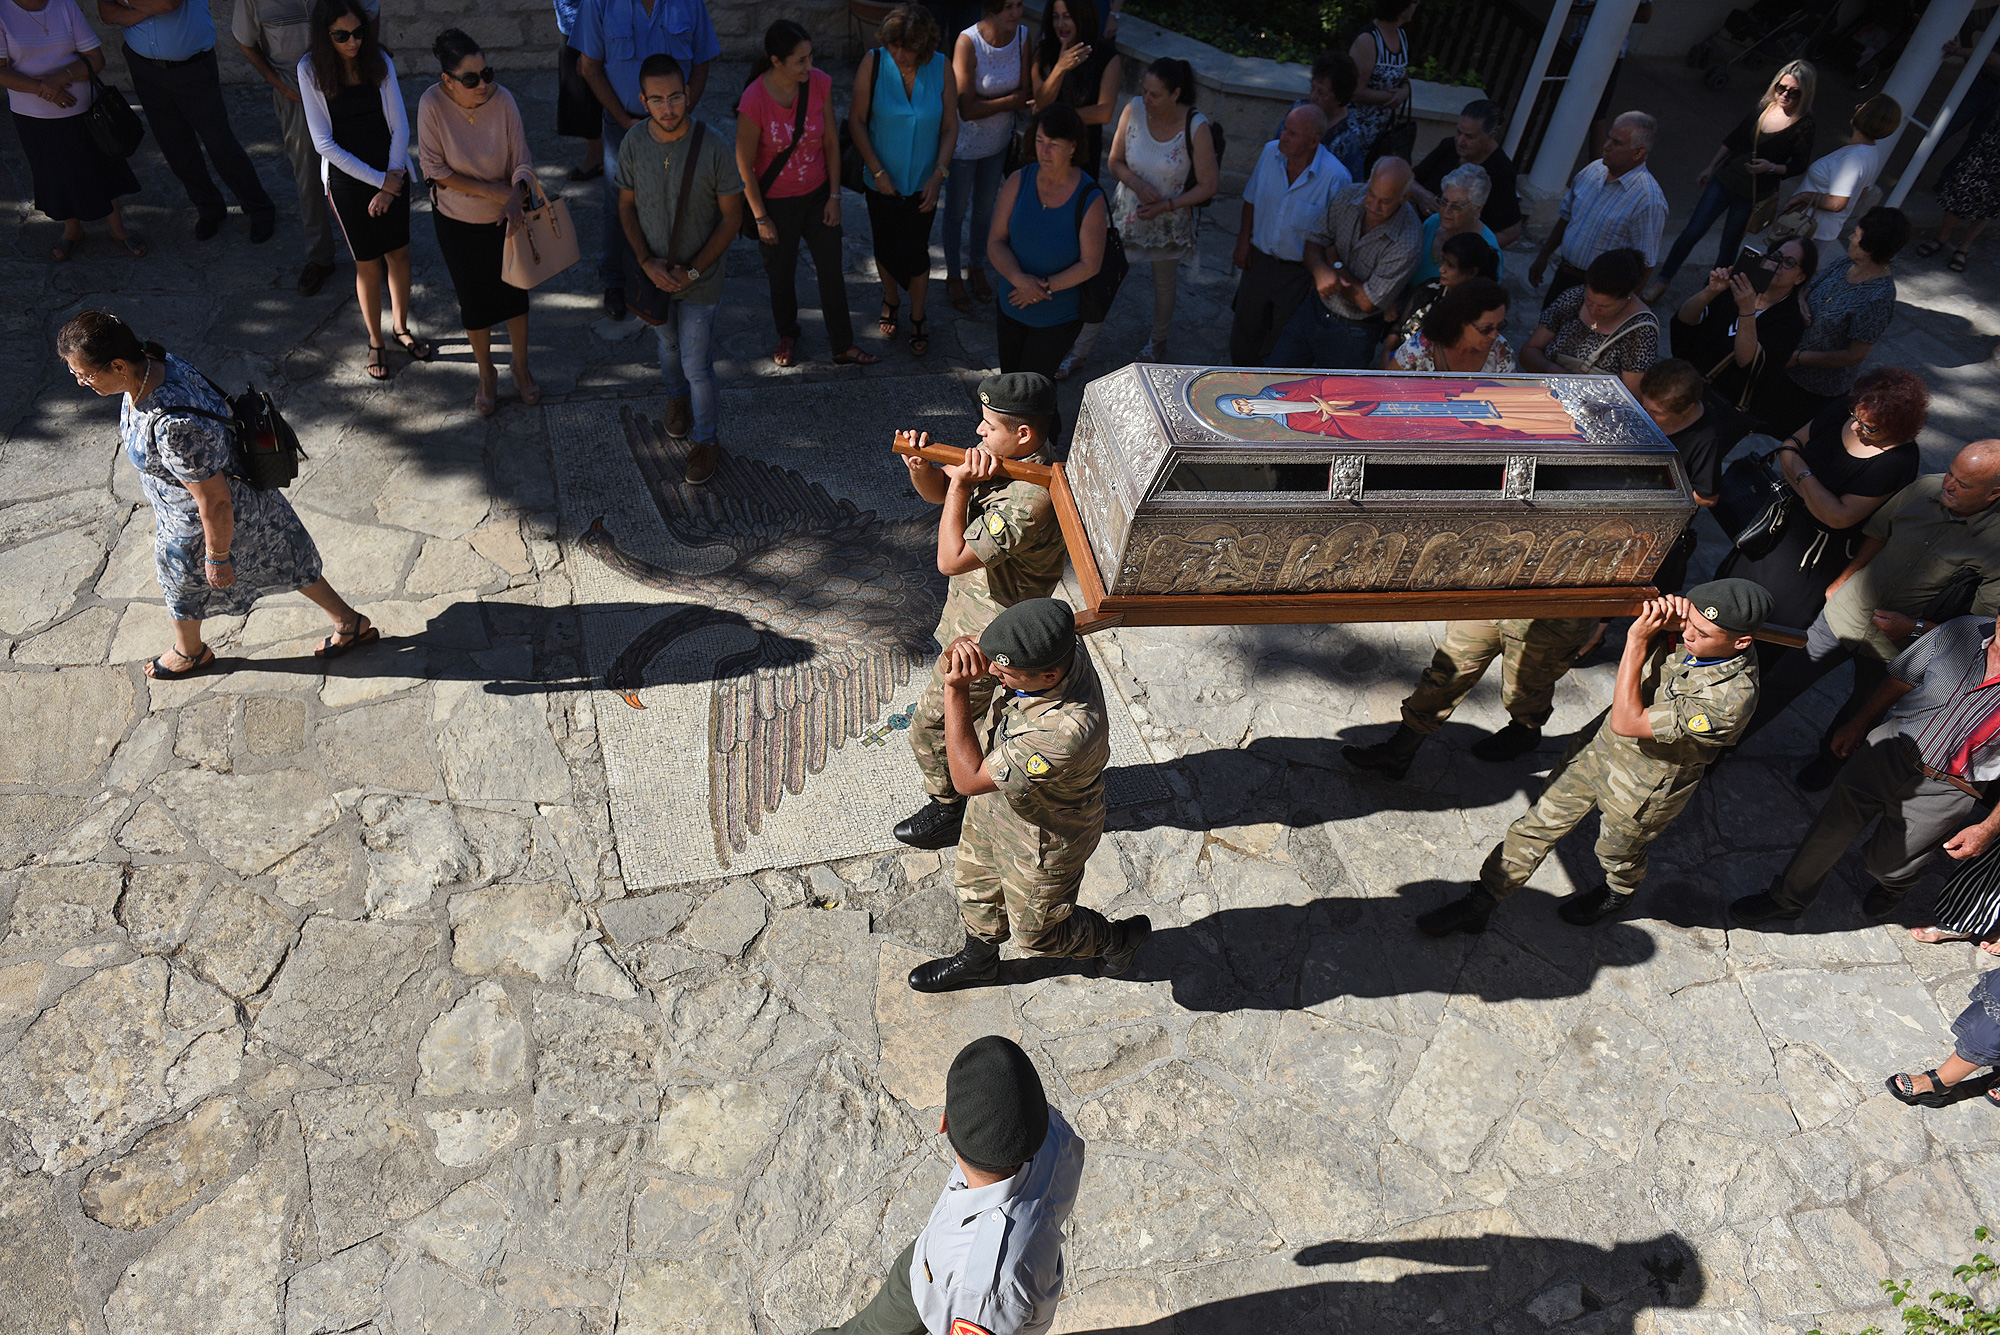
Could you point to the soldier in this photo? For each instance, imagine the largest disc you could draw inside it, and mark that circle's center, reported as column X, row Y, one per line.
column 1534, row 656
column 1032, row 770
column 1000, row 543
column 1671, row 713
column 990, row 1261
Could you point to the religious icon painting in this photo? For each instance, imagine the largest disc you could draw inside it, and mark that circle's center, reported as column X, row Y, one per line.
column 1258, row 405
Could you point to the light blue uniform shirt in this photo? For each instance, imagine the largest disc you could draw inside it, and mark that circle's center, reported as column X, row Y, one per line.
column 993, row 1255
column 621, row 34
column 188, row 31
column 1287, row 211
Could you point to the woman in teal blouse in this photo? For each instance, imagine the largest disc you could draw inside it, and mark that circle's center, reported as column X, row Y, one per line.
column 905, row 124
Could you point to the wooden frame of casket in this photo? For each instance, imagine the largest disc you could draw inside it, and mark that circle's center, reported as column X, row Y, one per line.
column 1224, row 496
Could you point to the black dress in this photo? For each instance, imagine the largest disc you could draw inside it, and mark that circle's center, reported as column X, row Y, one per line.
column 1079, row 89
column 358, row 125
column 1710, row 344
column 1810, row 555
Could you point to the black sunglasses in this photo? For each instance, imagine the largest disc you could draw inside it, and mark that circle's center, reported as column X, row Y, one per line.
column 474, row 80
column 344, row 35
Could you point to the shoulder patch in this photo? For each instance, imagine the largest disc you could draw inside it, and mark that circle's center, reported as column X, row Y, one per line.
column 1699, row 723
column 1036, row 765
column 995, row 525
column 960, row 1326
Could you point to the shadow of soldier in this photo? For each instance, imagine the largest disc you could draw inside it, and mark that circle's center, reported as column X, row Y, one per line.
column 1447, row 1285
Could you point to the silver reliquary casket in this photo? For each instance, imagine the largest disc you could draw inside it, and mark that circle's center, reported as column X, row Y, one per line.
column 1191, row 482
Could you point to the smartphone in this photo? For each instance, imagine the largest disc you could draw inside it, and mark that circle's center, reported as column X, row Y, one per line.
column 1750, row 263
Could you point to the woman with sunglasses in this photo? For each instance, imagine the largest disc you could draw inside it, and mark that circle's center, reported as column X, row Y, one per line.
column 1842, row 465
column 473, row 147
column 1772, row 142
column 1740, row 338
column 355, row 112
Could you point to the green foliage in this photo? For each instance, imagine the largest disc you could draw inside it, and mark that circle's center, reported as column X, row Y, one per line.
column 1945, row 1312
column 1296, row 30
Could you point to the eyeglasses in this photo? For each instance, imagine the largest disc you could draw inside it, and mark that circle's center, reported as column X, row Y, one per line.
column 1787, row 91
column 1785, row 262
column 344, row 35
column 671, row 99
column 1866, row 430
column 474, row 80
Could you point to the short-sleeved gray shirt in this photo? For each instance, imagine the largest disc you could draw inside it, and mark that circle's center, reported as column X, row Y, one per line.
column 652, row 171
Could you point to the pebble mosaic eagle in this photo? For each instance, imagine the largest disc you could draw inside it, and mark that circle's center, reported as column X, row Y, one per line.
column 842, row 604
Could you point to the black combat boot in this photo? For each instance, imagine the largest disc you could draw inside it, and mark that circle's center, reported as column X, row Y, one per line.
column 1588, row 906
column 1126, row 938
column 1760, row 908
column 1390, row 759
column 1468, row 915
column 1516, row 739
column 978, row 963
column 936, row 826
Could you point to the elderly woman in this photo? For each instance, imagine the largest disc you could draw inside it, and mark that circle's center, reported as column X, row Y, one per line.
column 48, row 56
column 474, row 149
column 1742, row 344
column 219, row 544
column 1600, row 328
column 1851, row 301
column 1040, row 250
column 1461, row 332
column 904, row 120
column 1461, row 195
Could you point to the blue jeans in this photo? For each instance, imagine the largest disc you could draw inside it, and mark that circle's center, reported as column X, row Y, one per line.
column 1713, row 204
column 1315, row 337
column 974, row 182
column 610, row 264
column 687, row 363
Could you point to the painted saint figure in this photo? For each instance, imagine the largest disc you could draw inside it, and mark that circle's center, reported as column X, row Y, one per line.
column 1402, row 408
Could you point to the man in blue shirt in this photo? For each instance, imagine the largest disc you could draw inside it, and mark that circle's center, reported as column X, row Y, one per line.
column 1284, row 200
column 170, row 49
column 612, row 39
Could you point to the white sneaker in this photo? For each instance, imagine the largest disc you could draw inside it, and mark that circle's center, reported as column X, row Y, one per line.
column 1150, row 353
column 1068, row 367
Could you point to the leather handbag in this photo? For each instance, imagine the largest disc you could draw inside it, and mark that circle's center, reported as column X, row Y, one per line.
column 544, row 244
column 1094, row 298
column 114, row 127
column 1757, row 504
column 1798, row 222
column 769, row 176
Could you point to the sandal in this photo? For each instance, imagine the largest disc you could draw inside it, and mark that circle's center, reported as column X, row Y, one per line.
column 484, row 403
column 886, row 321
column 1931, row 936
column 413, row 345
column 1926, row 249
column 854, row 356
column 1068, row 367
column 134, row 243
column 531, row 393
column 787, row 351
column 66, row 247
column 1905, row 1089
column 982, row 291
column 960, row 299
column 1958, row 261
column 158, row 670
column 364, row 632
column 920, row 341
column 378, row 361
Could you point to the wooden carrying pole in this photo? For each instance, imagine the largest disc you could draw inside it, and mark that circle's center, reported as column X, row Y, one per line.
column 1227, row 609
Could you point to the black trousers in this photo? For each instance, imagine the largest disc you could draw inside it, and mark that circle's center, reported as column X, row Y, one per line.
column 1270, row 291
column 804, row 217
column 183, row 102
column 578, row 115
column 1567, row 276
column 1026, row 347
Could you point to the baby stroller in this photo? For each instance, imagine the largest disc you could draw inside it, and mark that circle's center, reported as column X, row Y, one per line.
column 1871, row 44
column 1770, row 32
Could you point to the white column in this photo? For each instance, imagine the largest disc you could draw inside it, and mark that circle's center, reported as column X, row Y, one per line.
column 1571, row 122
column 1981, row 48
column 1538, row 72
column 1911, row 78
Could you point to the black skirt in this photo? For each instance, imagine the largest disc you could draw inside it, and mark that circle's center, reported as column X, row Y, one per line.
column 578, row 113
column 72, row 179
column 902, row 233
column 475, row 253
column 368, row 238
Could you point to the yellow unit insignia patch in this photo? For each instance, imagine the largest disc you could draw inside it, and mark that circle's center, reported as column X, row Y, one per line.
column 1038, row 766
column 995, row 525
column 1699, row 723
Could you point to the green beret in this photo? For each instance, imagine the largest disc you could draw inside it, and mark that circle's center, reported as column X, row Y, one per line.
column 1018, row 393
column 994, row 1107
column 1031, row 636
column 1733, row 604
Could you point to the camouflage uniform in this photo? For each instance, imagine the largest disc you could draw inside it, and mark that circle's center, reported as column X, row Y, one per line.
column 1639, row 784
column 1011, row 527
column 1534, row 655
column 1021, row 854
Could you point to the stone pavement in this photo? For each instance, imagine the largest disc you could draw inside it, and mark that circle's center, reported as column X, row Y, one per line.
column 324, row 1005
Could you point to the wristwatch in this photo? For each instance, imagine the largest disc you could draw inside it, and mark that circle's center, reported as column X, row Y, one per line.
column 693, row 273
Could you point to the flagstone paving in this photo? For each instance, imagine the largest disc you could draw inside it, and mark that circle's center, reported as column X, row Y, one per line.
column 325, row 1005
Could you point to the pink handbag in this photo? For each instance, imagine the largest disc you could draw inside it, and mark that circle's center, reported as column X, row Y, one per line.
column 545, row 243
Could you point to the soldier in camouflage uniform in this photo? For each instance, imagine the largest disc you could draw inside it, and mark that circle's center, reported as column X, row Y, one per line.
column 1000, row 543
column 1032, row 768
column 1533, row 655
column 1672, row 712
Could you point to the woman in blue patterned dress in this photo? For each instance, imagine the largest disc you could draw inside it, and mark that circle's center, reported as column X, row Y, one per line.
column 1383, row 49
column 219, row 544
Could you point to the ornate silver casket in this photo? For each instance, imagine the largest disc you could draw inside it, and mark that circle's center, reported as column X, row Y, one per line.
column 1190, row 480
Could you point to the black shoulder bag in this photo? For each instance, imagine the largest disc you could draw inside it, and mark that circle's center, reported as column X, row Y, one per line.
column 264, row 451
column 1101, row 288
column 114, row 127
column 642, row 294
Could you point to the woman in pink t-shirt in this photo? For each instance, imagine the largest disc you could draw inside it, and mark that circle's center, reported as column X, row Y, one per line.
column 47, row 55
column 792, row 188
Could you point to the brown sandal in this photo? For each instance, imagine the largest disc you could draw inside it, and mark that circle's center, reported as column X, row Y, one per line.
column 364, row 632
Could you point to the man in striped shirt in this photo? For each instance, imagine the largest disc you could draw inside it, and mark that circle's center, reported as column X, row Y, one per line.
column 1612, row 204
column 1920, row 771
